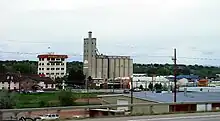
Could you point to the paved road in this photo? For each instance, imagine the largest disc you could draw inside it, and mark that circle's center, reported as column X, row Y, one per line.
column 173, row 117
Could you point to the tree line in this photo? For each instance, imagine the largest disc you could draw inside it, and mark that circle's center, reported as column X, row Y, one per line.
column 75, row 69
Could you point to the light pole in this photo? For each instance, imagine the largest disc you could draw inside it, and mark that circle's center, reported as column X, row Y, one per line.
column 174, row 59
column 131, row 78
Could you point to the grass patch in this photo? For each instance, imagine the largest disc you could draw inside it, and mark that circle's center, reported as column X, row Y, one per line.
column 46, row 99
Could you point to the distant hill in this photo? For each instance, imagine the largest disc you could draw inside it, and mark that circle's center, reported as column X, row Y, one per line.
column 150, row 69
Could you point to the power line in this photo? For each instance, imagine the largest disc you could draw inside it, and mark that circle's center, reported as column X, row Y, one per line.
column 32, row 53
column 79, row 55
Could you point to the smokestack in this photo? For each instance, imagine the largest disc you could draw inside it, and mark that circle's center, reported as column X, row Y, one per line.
column 90, row 34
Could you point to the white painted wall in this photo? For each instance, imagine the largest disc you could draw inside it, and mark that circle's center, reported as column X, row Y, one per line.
column 204, row 107
column 122, row 102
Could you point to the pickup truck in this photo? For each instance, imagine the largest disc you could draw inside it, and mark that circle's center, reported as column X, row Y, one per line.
column 48, row 117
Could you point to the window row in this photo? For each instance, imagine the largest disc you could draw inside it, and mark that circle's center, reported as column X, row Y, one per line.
column 86, row 55
column 52, row 68
column 86, row 43
column 52, row 73
column 51, row 59
column 51, row 64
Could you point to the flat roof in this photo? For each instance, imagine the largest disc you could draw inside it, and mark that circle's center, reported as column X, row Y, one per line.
column 52, row 56
column 113, row 57
column 181, row 97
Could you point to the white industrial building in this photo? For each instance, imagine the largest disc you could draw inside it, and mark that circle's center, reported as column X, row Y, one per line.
column 144, row 80
column 52, row 65
column 102, row 67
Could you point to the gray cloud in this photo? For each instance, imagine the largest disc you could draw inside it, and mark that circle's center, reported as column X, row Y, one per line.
column 124, row 27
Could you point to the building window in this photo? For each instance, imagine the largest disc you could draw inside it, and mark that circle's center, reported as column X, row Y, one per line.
column 46, row 86
column 52, row 68
column 39, row 63
column 53, row 64
column 57, row 68
column 39, row 68
column 42, row 68
column 42, row 64
column 48, row 68
column 48, row 64
column 57, row 73
column 62, row 59
column 62, row 73
column 47, row 73
column 48, row 59
column 52, row 73
column 39, row 73
column 62, row 68
column 62, row 63
column 53, row 59
column 58, row 59
column 57, row 64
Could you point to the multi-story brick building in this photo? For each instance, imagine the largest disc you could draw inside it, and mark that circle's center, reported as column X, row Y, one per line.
column 52, row 65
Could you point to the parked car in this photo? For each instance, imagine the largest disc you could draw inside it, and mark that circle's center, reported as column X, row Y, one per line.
column 137, row 90
column 126, row 91
column 49, row 117
column 39, row 91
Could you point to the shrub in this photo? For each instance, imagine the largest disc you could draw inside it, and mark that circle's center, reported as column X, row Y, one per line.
column 7, row 99
column 42, row 103
column 66, row 98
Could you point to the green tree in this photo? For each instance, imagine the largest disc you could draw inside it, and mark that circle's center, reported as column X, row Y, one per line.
column 165, row 87
column 42, row 103
column 66, row 98
column 59, row 81
column 7, row 99
column 2, row 68
column 151, row 86
column 158, row 87
column 141, row 87
column 25, row 68
column 76, row 77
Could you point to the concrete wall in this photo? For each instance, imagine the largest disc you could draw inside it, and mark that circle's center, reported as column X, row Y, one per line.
column 93, row 52
column 89, row 54
column 117, row 67
column 99, row 68
column 105, row 68
column 138, row 109
column 122, row 69
column 126, row 67
column 130, row 67
column 112, row 68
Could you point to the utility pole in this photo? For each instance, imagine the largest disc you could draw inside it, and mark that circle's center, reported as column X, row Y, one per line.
column 174, row 72
column 131, row 92
column 113, row 83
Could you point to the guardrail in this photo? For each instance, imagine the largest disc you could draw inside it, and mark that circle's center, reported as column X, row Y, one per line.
column 139, row 108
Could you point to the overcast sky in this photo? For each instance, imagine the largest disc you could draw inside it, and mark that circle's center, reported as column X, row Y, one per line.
column 140, row 28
